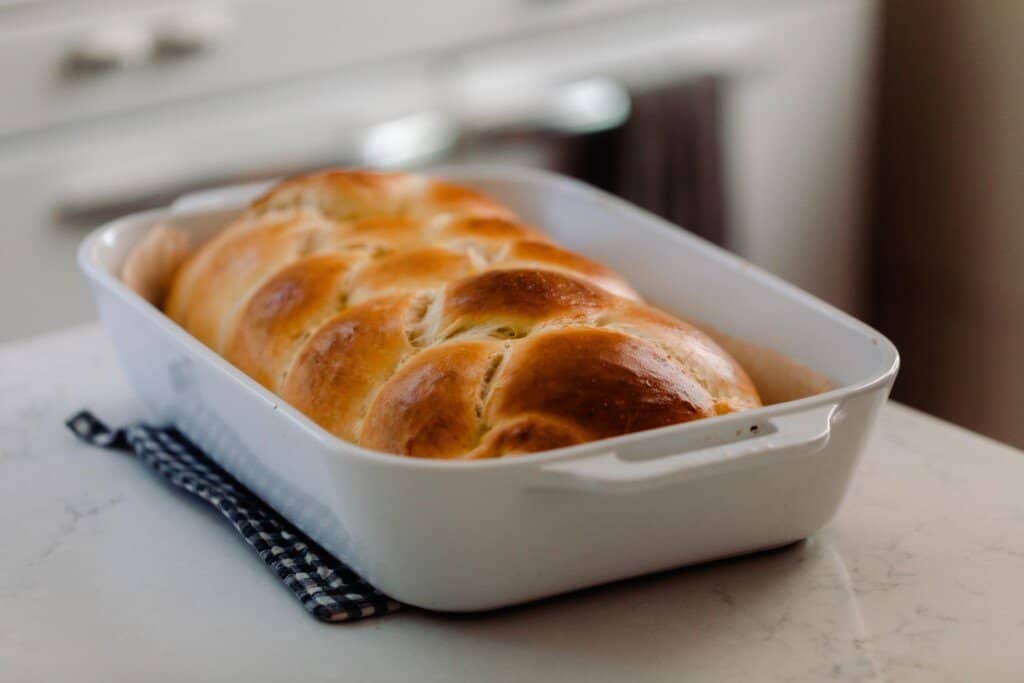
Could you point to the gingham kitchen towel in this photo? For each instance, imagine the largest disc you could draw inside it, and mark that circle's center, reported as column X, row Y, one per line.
column 327, row 588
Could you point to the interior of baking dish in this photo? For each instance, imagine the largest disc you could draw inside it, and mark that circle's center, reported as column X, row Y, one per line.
column 794, row 346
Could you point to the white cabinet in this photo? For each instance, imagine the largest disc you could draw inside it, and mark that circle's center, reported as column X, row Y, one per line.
column 139, row 60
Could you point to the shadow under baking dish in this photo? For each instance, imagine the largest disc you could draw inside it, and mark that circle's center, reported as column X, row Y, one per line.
column 466, row 536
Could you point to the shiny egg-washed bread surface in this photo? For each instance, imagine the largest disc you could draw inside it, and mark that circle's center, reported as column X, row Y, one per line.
column 417, row 317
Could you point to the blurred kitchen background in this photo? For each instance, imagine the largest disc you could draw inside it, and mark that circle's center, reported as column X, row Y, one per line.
column 872, row 153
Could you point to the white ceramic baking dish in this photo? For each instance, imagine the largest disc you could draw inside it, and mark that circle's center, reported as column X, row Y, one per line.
column 464, row 536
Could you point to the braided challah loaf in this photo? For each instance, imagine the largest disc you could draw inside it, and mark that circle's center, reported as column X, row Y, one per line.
column 417, row 317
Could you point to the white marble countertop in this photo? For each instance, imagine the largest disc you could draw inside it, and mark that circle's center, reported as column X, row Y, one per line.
column 108, row 575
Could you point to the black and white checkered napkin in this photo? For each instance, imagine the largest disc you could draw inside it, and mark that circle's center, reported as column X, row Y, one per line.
column 327, row 588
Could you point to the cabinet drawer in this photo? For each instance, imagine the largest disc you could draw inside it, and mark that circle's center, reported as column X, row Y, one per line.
column 246, row 43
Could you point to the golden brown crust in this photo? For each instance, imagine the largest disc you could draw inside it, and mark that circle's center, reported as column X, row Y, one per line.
column 518, row 300
column 430, row 408
column 487, row 235
column 705, row 360
column 339, row 195
column 232, row 271
column 447, row 198
column 345, row 361
column 347, row 195
column 375, row 235
column 409, row 271
column 282, row 313
column 604, row 382
column 529, row 433
column 418, row 317
column 536, row 254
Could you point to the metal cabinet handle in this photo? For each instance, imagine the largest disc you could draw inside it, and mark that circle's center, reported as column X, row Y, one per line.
column 192, row 31
column 111, row 47
column 573, row 108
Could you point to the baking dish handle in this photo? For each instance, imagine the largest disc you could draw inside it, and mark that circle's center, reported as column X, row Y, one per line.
column 804, row 432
